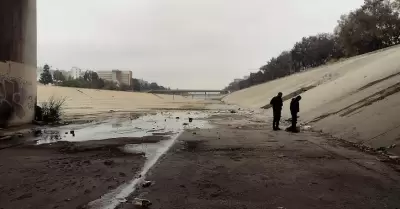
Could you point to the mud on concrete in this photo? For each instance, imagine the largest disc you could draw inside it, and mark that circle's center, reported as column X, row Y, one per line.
column 70, row 166
column 65, row 174
column 255, row 167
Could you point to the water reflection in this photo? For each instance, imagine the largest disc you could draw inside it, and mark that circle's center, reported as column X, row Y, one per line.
column 158, row 123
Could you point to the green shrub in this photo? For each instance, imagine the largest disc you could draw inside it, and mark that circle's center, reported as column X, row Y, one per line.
column 52, row 110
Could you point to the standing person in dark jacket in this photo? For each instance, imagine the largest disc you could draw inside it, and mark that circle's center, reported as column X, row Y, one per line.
column 294, row 110
column 277, row 104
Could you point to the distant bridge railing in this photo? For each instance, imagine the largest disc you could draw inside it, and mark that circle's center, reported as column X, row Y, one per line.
column 181, row 91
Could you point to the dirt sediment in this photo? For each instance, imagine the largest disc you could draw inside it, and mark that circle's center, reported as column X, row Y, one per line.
column 66, row 174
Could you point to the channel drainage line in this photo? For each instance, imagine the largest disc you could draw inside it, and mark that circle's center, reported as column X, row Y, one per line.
column 112, row 199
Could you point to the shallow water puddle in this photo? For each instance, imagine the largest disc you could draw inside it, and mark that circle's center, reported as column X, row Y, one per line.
column 159, row 123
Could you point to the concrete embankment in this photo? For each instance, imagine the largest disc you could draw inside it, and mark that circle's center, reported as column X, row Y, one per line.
column 357, row 100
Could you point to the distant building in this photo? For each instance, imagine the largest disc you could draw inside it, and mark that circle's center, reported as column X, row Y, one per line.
column 39, row 71
column 120, row 77
column 75, row 73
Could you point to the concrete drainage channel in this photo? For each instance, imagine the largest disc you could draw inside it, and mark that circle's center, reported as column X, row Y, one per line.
column 119, row 195
column 171, row 124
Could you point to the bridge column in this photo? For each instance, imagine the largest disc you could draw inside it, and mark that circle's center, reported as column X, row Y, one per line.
column 18, row 43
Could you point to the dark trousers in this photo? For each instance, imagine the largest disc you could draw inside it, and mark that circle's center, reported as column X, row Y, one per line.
column 294, row 121
column 277, row 118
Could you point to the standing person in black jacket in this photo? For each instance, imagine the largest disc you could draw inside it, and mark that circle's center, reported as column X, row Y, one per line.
column 277, row 104
column 294, row 110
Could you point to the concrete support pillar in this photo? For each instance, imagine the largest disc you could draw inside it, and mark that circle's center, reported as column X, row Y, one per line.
column 18, row 46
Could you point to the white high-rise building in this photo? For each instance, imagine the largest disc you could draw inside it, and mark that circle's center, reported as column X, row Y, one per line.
column 75, row 72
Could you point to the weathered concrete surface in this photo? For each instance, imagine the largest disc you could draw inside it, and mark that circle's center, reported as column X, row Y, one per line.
column 17, row 93
column 18, row 35
column 356, row 99
column 17, row 61
column 242, row 163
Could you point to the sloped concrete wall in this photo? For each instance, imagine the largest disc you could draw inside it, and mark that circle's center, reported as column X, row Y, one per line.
column 357, row 99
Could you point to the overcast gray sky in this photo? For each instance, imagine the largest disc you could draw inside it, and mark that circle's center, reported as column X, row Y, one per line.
column 179, row 43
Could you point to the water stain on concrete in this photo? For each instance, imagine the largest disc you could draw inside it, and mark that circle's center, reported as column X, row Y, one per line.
column 291, row 95
column 378, row 96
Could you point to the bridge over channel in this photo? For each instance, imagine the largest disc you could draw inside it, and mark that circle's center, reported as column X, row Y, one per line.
column 187, row 91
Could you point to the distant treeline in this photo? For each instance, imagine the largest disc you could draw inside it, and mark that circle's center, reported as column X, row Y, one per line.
column 373, row 26
column 91, row 80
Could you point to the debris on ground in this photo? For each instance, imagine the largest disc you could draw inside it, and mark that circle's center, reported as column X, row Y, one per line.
column 5, row 138
column 233, row 111
column 141, row 203
column 108, row 162
column 381, row 149
column 177, row 118
column 146, row 184
column 281, row 156
column 190, row 120
column 37, row 133
column 111, row 111
column 120, row 199
column 185, row 124
column 194, row 133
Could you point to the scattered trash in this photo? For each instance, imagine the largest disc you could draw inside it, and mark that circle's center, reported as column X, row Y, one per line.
column 121, row 200
column 381, row 149
column 190, row 120
column 146, row 184
column 24, row 196
column 5, row 137
column 143, row 203
column 233, row 111
column 177, row 118
column 37, row 133
column 282, row 156
column 108, row 162
column 111, row 111
column 392, row 146
column 194, row 133
column 185, row 124
column 306, row 127
column 72, row 132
